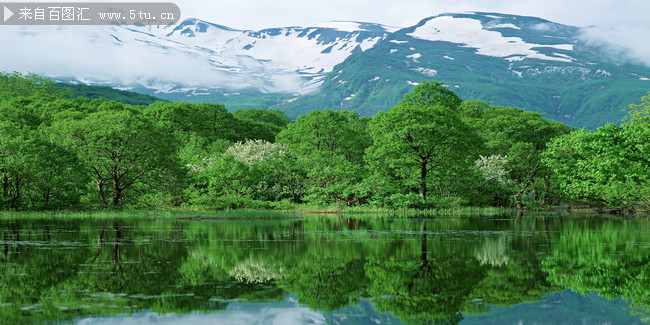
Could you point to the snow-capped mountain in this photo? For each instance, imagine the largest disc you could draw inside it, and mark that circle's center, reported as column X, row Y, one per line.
column 195, row 56
column 510, row 60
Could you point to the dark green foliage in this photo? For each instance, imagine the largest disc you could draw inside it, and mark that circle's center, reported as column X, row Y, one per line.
column 328, row 133
column 96, row 92
column 121, row 149
column 16, row 84
column 430, row 94
column 36, row 172
column 271, row 116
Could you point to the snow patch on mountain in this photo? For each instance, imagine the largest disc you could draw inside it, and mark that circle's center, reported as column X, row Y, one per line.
column 513, row 26
column 345, row 26
column 471, row 33
column 189, row 55
column 414, row 57
column 426, row 71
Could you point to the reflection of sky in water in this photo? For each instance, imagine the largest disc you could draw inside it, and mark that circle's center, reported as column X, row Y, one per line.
column 285, row 312
column 565, row 307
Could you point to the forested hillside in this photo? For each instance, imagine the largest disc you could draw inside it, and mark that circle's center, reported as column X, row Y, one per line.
column 432, row 150
column 96, row 92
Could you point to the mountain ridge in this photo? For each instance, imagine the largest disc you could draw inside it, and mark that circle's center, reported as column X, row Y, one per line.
column 509, row 60
column 549, row 69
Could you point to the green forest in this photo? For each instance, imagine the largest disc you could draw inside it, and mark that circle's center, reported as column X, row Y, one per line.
column 430, row 151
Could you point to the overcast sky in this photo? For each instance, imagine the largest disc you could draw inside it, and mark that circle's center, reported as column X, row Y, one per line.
column 621, row 21
column 256, row 14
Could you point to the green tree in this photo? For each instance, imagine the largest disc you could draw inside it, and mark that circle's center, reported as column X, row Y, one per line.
column 432, row 93
column 120, row 149
column 246, row 175
column 331, row 143
column 35, row 172
column 328, row 133
column 422, row 145
column 17, row 163
column 608, row 167
column 210, row 121
column 272, row 116
column 521, row 136
column 17, row 84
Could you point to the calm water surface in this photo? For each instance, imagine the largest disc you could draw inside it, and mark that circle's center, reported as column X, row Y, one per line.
column 327, row 269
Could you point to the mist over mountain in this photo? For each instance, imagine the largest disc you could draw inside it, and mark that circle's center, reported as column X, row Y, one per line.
column 510, row 60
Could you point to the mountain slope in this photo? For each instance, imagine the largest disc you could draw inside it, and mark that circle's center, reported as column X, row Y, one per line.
column 508, row 60
column 94, row 92
column 191, row 59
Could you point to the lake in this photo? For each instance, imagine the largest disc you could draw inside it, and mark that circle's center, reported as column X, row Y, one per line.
column 316, row 269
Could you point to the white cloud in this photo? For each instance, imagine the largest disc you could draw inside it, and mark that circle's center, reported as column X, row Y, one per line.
column 62, row 51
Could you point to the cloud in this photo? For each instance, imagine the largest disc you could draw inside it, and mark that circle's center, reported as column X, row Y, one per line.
column 543, row 27
column 82, row 51
column 620, row 44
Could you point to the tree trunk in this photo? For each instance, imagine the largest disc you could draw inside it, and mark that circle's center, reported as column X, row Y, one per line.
column 118, row 195
column 423, row 248
column 517, row 197
column 16, row 196
column 47, row 197
column 100, row 189
column 423, row 180
column 5, row 185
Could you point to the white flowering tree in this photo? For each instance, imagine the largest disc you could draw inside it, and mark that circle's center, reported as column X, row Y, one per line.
column 250, row 172
column 493, row 169
column 256, row 151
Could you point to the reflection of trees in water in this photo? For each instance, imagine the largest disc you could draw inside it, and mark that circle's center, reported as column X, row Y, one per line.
column 420, row 270
column 433, row 288
column 106, row 263
column 611, row 261
column 327, row 283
